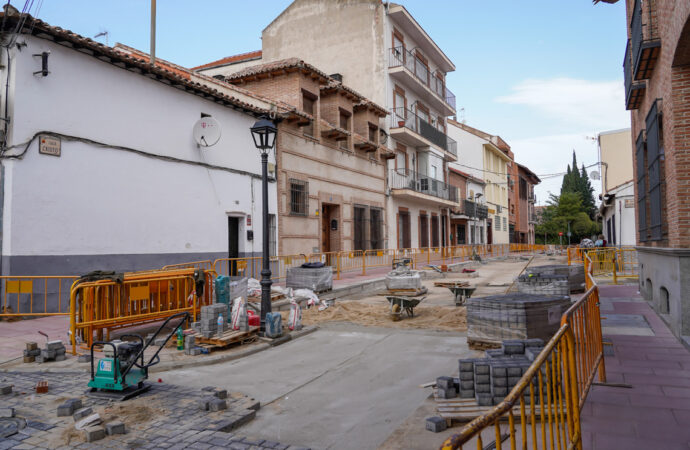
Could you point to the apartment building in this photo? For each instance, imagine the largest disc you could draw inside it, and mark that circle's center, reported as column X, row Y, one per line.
column 657, row 86
column 467, row 219
column 617, row 207
column 524, row 200
column 380, row 50
column 489, row 158
column 330, row 159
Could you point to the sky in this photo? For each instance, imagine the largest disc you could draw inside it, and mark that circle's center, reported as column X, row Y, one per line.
column 545, row 75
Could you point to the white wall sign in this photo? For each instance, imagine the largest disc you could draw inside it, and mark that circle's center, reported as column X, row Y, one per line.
column 49, row 145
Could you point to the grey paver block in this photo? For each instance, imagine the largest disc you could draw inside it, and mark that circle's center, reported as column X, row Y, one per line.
column 5, row 389
column 435, row 424
column 116, row 427
column 7, row 412
column 81, row 413
column 220, row 393
column 444, row 382
column 94, row 433
column 217, row 404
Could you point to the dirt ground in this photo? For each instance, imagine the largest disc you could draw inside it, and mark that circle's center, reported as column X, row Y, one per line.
column 438, row 310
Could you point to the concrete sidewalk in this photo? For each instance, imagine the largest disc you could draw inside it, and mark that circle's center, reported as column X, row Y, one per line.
column 655, row 412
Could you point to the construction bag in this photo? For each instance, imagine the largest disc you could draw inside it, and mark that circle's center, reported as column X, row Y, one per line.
column 274, row 325
column 295, row 317
column 239, row 315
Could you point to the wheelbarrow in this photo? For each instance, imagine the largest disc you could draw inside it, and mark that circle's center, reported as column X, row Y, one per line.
column 401, row 303
column 461, row 293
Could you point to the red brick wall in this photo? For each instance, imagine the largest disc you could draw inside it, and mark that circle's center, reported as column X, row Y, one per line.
column 671, row 85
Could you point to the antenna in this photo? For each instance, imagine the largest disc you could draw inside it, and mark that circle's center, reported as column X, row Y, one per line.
column 101, row 34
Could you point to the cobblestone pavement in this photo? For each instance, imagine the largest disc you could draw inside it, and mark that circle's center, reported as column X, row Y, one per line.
column 165, row 417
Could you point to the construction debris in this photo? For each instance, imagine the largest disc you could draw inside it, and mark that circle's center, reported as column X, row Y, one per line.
column 54, row 351
column 403, row 278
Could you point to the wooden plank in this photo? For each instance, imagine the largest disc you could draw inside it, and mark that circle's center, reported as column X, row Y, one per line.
column 451, row 284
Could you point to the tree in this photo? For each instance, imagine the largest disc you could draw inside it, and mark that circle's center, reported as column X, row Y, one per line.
column 587, row 194
column 564, row 210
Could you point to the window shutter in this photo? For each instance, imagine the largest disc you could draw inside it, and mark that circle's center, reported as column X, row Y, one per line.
column 641, row 187
column 654, row 152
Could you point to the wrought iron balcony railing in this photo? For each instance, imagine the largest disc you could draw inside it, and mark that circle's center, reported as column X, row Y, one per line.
column 400, row 56
column 406, row 118
column 409, row 179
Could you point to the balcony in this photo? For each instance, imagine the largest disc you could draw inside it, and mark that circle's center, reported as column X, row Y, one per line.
column 410, row 129
column 645, row 42
column 405, row 67
column 473, row 210
column 408, row 184
column 634, row 90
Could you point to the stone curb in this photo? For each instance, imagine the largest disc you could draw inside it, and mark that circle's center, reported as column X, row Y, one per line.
column 174, row 365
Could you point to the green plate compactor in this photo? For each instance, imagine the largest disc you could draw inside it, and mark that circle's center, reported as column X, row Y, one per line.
column 120, row 374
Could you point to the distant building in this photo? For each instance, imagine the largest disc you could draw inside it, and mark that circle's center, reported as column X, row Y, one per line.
column 330, row 157
column 488, row 158
column 617, row 207
column 467, row 220
column 657, row 92
column 524, row 202
column 378, row 49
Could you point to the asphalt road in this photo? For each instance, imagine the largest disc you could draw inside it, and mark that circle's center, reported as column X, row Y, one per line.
column 342, row 387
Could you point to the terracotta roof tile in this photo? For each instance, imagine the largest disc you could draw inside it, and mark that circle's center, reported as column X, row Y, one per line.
column 163, row 73
column 256, row 54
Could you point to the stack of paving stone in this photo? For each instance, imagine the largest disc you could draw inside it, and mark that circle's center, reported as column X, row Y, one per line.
column 574, row 272
column 54, row 351
column 495, row 318
column 489, row 380
column 31, row 352
column 190, row 347
column 543, row 284
column 208, row 324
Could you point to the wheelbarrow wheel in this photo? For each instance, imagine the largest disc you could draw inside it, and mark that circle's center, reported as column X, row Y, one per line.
column 395, row 313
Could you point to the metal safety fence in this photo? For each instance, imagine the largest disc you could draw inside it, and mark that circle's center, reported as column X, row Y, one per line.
column 99, row 306
column 543, row 409
column 35, row 296
column 607, row 262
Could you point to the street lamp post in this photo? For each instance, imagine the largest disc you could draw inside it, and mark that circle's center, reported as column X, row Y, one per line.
column 264, row 135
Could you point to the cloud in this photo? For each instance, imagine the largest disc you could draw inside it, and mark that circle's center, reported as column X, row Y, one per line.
column 581, row 104
column 552, row 154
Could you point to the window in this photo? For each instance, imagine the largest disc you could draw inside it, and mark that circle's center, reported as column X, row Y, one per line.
column 472, row 235
column 299, row 197
column 423, row 230
column 360, row 242
column 376, row 228
column 497, row 223
column 345, row 125
column 641, row 187
column 654, row 152
column 400, row 161
column 505, row 224
column 372, row 133
column 523, row 188
column 308, row 101
column 404, row 235
column 434, row 231
column 272, row 235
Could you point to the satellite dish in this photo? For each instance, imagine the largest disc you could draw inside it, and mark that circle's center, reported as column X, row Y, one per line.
column 206, row 131
column 594, row 175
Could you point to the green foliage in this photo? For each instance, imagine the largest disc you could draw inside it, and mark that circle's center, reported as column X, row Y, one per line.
column 561, row 211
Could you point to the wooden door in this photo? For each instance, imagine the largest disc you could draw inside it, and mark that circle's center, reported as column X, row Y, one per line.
column 325, row 229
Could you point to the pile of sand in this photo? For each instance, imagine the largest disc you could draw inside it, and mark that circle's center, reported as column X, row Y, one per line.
column 445, row 318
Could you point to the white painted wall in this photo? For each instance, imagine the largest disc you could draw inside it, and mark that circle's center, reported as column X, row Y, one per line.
column 622, row 217
column 95, row 200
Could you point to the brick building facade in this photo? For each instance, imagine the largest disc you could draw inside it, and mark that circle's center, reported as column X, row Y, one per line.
column 657, row 88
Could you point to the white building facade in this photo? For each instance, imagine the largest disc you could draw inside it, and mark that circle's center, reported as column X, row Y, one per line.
column 130, row 188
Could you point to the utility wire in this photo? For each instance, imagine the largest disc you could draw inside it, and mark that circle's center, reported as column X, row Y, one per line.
column 26, row 145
